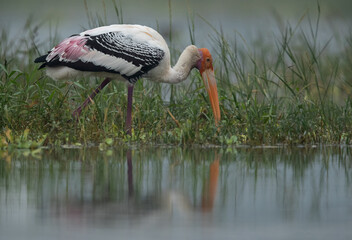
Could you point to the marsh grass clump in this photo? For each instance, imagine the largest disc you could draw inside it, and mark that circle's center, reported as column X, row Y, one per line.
column 294, row 89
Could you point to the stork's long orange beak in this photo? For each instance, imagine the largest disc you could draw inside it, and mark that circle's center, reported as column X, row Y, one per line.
column 206, row 70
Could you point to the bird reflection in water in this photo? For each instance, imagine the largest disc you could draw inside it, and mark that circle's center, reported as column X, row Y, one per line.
column 130, row 172
column 135, row 205
column 209, row 191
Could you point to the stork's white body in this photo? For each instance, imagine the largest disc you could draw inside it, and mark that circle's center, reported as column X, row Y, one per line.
column 75, row 48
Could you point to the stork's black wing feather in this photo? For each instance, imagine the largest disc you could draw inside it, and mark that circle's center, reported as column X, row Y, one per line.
column 143, row 56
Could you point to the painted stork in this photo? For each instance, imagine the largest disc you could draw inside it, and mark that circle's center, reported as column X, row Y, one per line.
column 127, row 53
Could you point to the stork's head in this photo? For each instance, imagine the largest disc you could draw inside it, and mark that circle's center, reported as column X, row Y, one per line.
column 205, row 67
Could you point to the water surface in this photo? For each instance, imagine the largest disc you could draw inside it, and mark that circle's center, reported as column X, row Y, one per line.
column 174, row 193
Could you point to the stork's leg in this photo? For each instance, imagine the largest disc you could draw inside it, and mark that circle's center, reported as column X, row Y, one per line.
column 129, row 109
column 78, row 111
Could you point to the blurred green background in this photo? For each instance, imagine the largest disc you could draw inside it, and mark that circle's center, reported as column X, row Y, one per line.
column 242, row 16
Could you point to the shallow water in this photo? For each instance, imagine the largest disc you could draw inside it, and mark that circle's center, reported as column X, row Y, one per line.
column 174, row 193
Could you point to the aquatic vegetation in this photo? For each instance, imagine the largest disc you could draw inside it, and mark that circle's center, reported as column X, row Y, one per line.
column 21, row 141
column 291, row 90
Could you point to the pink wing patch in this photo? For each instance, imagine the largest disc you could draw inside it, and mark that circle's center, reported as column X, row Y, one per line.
column 70, row 49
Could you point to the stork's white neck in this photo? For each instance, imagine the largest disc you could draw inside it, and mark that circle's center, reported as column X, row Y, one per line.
column 186, row 62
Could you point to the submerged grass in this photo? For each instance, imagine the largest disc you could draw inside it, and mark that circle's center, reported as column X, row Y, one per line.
column 291, row 90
